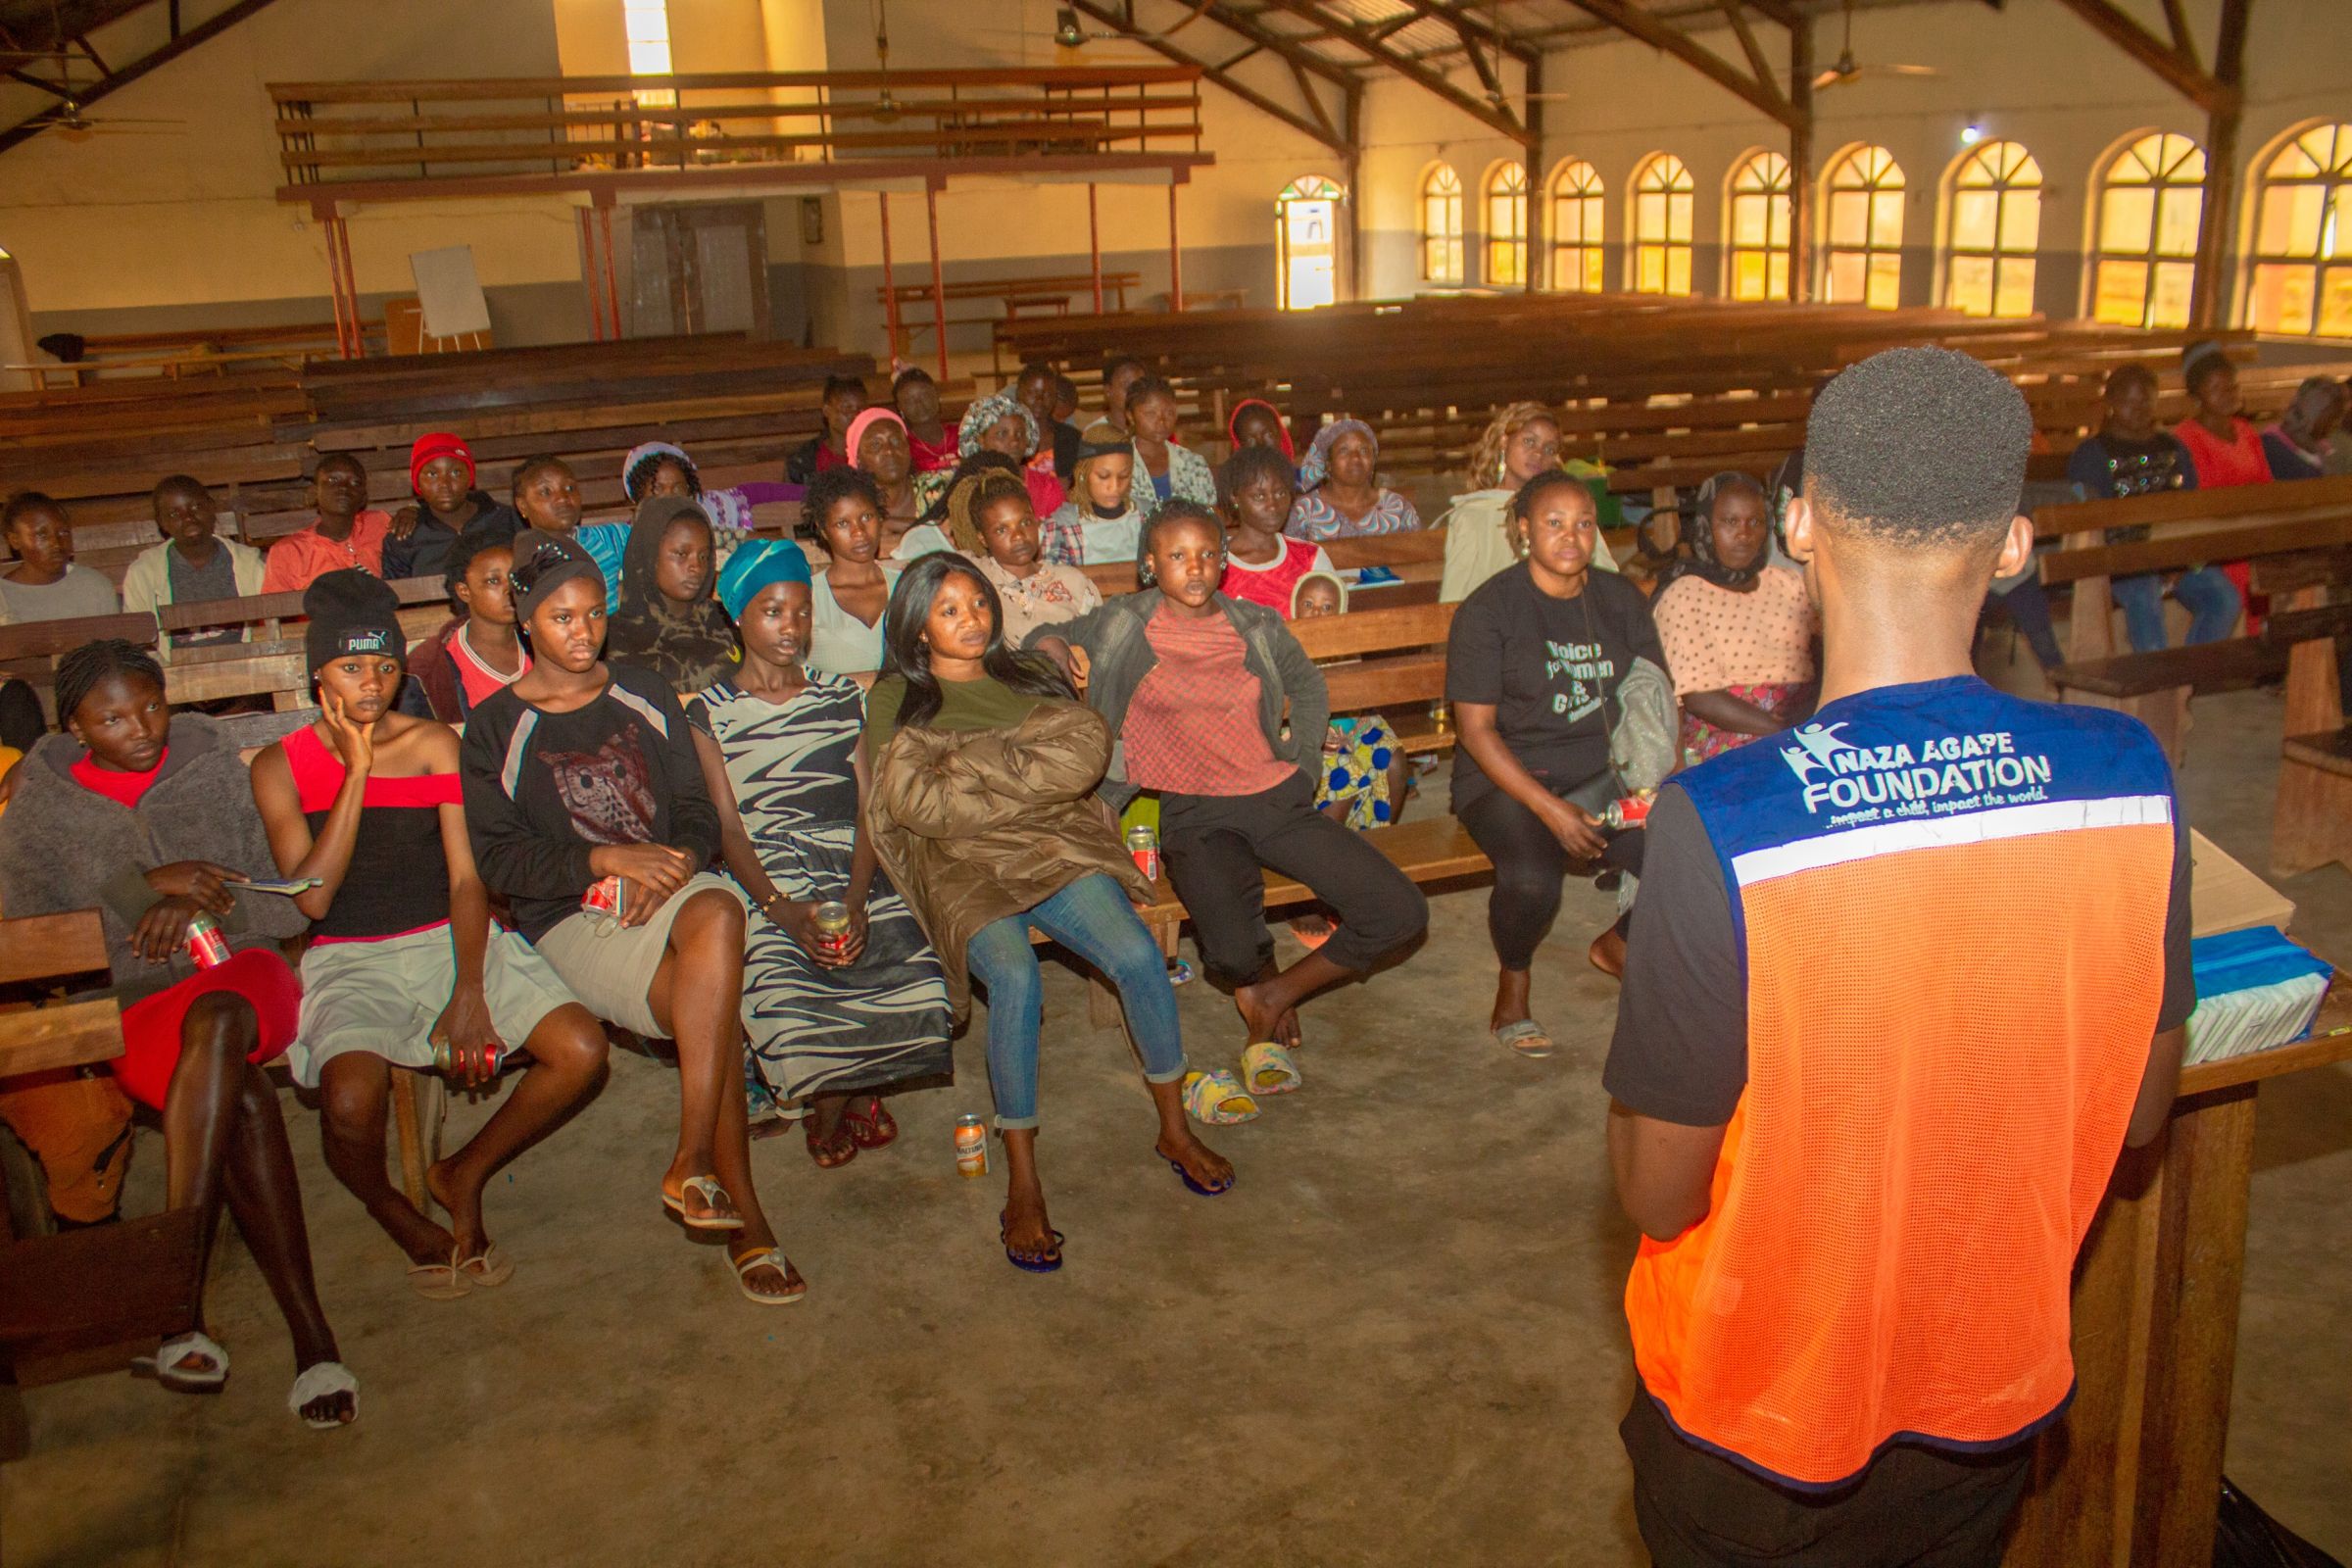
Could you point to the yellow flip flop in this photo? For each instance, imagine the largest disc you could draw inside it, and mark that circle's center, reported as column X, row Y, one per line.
column 1267, row 1069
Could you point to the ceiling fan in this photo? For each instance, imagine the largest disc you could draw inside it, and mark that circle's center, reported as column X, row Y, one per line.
column 67, row 115
column 1069, row 32
column 1848, row 69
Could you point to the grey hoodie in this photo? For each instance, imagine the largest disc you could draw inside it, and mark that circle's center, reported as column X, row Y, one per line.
column 64, row 847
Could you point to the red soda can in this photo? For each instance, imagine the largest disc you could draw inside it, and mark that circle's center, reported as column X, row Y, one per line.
column 206, row 945
column 445, row 1058
column 1142, row 842
column 602, row 905
column 1631, row 812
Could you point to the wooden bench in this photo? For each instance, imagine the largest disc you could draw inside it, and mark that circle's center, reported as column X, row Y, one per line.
column 88, row 1302
column 2311, row 824
column 1019, row 297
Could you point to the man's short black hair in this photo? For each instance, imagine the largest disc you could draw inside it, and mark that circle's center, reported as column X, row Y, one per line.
column 1918, row 447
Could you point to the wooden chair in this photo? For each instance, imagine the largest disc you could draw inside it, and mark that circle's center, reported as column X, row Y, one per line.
column 88, row 1302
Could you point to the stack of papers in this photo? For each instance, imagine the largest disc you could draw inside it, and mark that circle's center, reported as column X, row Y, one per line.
column 2255, row 991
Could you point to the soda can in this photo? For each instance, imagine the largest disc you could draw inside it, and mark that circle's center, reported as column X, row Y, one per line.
column 445, row 1058
column 1142, row 842
column 602, row 905
column 206, row 945
column 832, row 921
column 971, row 1147
column 1631, row 812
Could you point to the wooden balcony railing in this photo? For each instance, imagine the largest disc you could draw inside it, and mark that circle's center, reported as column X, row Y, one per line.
column 379, row 130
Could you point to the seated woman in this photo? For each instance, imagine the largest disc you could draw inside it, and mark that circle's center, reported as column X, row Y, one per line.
column 845, row 397
column 1165, row 471
column 1539, row 669
column 1256, row 423
column 842, row 513
column 479, row 651
column 403, row 962
column 668, row 624
column 2298, row 445
column 162, row 829
column 661, row 468
column 879, row 444
column 1737, row 631
column 1521, row 443
column 1365, row 771
column 1195, row 684
column 1339, row 495
column 1101, row 521
column 447, row 509
column 583, row 776
column 916, row 397
column 1261, row 563
column 547, row 497
column 1004, row 424
column 830, row 1020
column 997, row 531
column 983, row 770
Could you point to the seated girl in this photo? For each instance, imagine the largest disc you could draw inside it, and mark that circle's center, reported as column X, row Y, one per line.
column 162, row 829
column 878, row 444
column 1194, row 684
column 1262, row 566
column 844, row 400
column 583, row 776
column 1101, row 521
column 477, row 650
column 661, row 468
column 404, row 962
column 668, row 624
column 917, row 398
column 1164, row 470
column 1340, row 494
column 547, row 497
column 1537, row 669
column 831, row 1021
column 1737, row 631
column 994, row 526
column 842, row 514
column 47, row 583
column 447, row 509
column 1365, row 771
column 1520, row 444
column 983, row 770
column 1256, row 423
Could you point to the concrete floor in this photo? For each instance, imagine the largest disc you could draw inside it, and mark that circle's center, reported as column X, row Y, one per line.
column 1397, row 1340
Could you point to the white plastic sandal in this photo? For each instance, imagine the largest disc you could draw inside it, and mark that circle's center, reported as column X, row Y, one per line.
column 316, row 1382
column 164, row 1365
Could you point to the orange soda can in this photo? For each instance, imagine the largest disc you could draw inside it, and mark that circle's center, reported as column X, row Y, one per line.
column 971, row 1147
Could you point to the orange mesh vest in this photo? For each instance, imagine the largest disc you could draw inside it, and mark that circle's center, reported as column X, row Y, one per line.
column 1950, row 906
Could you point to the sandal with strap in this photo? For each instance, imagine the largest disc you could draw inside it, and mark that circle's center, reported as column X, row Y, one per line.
column 1267, row 1069
column 316, row 1382
column 767, row 1257
column 714, row 1196
column 1218, row 1100
column 1047, row 1263
column 835, row 1152
column 440, row 1282
column 488, row 1268
column 876, row 1131
column 1526, row 1037
column 164, row 1365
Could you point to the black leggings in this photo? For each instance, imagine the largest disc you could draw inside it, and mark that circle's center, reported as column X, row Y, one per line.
column 1528, row 865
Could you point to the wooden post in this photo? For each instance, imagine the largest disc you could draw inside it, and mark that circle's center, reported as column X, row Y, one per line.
column 1175, row 254
column 1531, row 166
column 593, row 274
column 1800, row 161
column 603, row 216
column 2209, row 290
column 939, row 283
column 890, row 281
column 1094, row 244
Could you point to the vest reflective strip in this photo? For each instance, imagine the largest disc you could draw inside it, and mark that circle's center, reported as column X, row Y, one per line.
column 1979, row 827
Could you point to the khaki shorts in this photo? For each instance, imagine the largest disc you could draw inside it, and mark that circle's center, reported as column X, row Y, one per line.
column 384, row 997
column 612, row 971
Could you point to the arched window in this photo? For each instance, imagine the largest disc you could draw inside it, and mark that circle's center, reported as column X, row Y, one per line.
column 2303, row 238
column 1577, row 222
column 1662, row 208
column 1507, row 226
column 1865, row 189
column 1759, row 227
column 1995, row 228
column 1442, row 224
column 1306, row 242
column 2151, row 202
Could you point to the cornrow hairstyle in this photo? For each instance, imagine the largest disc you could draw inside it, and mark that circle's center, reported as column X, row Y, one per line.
column 981, row 462
column 1524, row 499
column 530, row 466
column 1253, row 462
column 1486, row 458
column 23, row 504
column 640, row 478
column 827, row 490
column 972, row 497
column 462, row 555
column 1920, row 448
column 1170, row 514
column 80, row 671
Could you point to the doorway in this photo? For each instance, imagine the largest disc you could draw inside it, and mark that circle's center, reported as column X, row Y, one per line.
column 699, row 269
column 1307, row 231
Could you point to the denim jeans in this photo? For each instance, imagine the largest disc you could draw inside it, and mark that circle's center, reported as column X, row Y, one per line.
column 2210, row 598
column 1092, row 918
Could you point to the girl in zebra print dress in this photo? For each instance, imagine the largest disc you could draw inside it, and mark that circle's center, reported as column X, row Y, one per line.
column 779, row 750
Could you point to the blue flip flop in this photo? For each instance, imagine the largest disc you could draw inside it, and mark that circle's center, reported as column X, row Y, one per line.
column 1041, row 1265
column 1186, row 1177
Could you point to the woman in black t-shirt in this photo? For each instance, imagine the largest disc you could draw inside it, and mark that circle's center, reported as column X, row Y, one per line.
column 1535, row 668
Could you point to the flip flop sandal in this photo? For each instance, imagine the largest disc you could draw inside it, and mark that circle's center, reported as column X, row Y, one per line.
column 163, row 1364
column 1218, row 1100
column 1526, row 1037
column 316, row 1382
column 1048, row 1264
column 831, row 1153
column 713, row 1196
column 1267, row 1069
column 877, row 1131
column 488, row 1268
column 1186, row 1176
column 765, row 1257
column 440, row 1282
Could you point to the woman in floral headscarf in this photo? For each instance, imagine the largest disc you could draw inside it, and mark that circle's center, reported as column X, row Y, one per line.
column 1339, row 495
column 1001, row 423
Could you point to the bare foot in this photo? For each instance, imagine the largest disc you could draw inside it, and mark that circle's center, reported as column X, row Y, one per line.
column 1203, row 1163
column 1608, row 952
column 1027, row 1230
column 463, row 1201
column 1261, row 1021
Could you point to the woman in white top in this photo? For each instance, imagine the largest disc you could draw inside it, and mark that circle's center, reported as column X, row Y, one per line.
column 842, row 512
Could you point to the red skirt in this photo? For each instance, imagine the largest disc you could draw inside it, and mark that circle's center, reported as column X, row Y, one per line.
column 150, row 1025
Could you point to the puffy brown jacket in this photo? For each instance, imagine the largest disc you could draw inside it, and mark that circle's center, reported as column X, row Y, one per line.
column 974, row 825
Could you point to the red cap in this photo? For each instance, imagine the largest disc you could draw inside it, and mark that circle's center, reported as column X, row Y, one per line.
column 437, row 443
